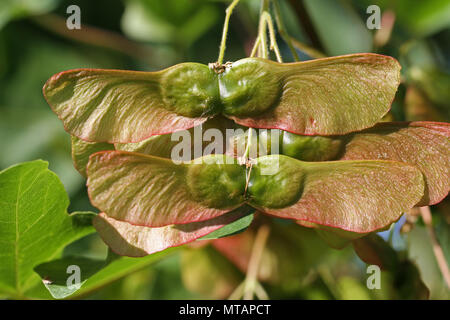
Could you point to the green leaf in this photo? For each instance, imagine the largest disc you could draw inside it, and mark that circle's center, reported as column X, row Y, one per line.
column 168, row 20
column 136, row 241
column 357, row 196
column 95, row 274
column 128, row 106
column 155, row 192
column 14, row 9
column 339, row 27
column 55, row 274
column 34, row 223
column 420, row 18
column 319, row 97
column 230, row 229
column 420, row 250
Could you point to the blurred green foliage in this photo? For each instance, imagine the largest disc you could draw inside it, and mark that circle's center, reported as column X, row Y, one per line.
column 150, row 34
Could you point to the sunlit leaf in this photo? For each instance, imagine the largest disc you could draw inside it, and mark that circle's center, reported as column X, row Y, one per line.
column 230, row 229
column 14, row 9
column 33, row 216
column 55, row 274
column 94, row 274
column 334, row 18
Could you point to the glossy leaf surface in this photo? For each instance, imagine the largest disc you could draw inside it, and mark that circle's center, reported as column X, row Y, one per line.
column 95, row 274
column 231, row 229
column 33, row 215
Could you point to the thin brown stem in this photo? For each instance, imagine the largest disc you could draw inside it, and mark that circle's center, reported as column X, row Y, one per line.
column 437, row 249
column 237, row 293
column 94, row 36
column 310, row 51
column 273, row 41
column 223, row 42
column 260, row 293
column 282, row 30
column 255, row 46
column 263, row 50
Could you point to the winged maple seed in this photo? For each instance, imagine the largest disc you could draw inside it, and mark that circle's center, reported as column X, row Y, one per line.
column 318, row 97
column 336, row 170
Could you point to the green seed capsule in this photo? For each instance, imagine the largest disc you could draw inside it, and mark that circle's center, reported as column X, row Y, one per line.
column 310, row 148
column 190, row 90
column 275, row 182
column 219, row 182
column 248, row 88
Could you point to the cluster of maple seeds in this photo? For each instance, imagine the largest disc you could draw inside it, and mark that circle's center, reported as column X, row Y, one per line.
column 338, row 170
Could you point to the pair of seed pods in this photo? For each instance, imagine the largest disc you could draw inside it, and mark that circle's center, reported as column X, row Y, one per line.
column 332, row 96
column 319, row 97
